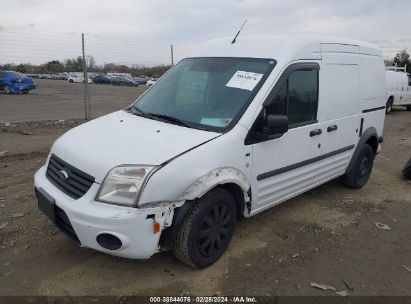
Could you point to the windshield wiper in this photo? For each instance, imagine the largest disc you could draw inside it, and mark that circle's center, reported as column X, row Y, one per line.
column 170, row 118
column 137, row 111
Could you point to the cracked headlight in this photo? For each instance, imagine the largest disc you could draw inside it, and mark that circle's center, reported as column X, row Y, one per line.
column 123, row 184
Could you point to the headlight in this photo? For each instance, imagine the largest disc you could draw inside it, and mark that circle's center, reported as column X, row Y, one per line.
column 123, row 184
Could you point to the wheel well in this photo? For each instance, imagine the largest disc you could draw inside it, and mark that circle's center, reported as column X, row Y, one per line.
column 238, row 196
column 373, row 142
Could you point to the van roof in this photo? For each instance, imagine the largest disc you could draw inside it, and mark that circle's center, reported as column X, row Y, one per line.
column 278, row 47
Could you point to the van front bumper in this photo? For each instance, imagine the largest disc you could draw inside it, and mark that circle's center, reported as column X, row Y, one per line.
column 85, row 219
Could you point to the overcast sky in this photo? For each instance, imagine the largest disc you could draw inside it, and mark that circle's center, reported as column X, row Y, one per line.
column 140, row 32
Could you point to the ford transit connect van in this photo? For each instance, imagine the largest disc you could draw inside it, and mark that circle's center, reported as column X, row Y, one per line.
column 232, row 130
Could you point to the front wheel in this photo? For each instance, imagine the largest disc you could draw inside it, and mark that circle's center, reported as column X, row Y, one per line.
column 358, row 175
column 207, row 229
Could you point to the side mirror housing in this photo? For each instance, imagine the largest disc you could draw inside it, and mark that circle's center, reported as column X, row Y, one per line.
column 275, row 125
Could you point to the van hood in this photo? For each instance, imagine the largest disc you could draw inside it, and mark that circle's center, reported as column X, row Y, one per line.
column 121, row 138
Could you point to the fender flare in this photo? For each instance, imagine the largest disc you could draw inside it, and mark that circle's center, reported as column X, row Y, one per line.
column 366, row 135
column 218, row 176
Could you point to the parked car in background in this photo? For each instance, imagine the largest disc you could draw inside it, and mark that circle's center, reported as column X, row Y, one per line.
column 140, row 80
column 151, row 81
column 77, row 79
column 15, row 83
column 103, row 79
column 122, row 81
column 398, row 89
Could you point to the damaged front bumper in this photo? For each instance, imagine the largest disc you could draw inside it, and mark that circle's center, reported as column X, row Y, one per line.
column 116, row 230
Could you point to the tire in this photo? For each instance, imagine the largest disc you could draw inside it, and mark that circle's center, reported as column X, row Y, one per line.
column 207, row 229
column 7, row 89
column 406, row 172
column 388, row 106
column 409, row 108
column 71, row 80
column 358, row 175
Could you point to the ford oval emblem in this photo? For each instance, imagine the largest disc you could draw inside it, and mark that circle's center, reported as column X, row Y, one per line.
column 63, row 174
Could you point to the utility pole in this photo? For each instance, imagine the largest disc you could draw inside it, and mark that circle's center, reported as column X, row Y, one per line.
column 172, row 56
column 85, row 78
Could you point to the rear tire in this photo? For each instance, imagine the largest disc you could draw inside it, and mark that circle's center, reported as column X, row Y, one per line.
column 409, row 108
column 388, row 106
column 358, row 175
column 207, row 229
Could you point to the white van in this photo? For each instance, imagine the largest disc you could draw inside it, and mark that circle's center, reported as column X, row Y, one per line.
column 398, row 90
column 227, row 133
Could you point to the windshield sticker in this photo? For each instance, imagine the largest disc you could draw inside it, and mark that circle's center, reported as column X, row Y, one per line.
column 215, row 122
column 244, row 80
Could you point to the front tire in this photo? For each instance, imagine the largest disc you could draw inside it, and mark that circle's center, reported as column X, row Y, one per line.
column 388, row 106
column 358, row 175
column 207, row 229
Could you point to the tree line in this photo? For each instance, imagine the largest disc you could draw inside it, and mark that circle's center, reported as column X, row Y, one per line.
column 401, row 59
column 77, row 64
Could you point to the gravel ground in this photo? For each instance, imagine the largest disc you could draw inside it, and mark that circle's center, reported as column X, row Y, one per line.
column 326, row 236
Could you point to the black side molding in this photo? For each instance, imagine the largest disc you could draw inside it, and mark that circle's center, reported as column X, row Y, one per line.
column 373, row 109
column 303, row 163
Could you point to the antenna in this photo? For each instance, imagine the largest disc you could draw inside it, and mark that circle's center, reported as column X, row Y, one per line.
column 238, row 33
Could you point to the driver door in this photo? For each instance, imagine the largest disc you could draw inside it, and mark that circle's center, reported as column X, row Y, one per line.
column 286, row 166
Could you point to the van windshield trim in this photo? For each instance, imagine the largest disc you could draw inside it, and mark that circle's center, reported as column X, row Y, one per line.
column 271, row 63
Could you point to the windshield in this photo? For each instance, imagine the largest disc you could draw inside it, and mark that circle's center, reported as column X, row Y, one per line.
column 207, row 93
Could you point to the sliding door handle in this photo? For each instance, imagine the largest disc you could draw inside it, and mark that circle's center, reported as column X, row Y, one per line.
column 332, row 128
column 316, row 132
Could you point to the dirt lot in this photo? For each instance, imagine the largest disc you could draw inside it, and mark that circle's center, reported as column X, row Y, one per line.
column 327, row 236
column 59, row 99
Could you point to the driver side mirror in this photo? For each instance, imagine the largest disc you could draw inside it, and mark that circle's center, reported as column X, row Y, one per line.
column 275, row 125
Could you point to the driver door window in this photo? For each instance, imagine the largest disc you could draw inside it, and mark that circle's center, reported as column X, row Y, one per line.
column 297, row 98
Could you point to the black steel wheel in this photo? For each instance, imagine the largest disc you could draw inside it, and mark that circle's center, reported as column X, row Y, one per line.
column 358, row 175
column 214, row 230
column 207, row 229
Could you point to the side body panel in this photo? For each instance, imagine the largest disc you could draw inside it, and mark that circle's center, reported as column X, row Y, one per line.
column 340, row 108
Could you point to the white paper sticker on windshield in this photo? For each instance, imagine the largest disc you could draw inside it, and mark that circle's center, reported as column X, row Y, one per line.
column 244, row 80
column 215, row 122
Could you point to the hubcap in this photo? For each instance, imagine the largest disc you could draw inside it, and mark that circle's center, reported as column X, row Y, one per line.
column 214, row 230
column 364, row 164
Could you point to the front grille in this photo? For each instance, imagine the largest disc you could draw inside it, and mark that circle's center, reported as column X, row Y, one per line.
column 63, row 223
column 72, row 181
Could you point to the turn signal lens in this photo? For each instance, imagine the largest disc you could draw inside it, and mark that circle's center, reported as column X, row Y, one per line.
column 156, row 227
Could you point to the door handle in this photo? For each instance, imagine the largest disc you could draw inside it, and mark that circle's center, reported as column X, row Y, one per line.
column 332, row 128
column 316, row 132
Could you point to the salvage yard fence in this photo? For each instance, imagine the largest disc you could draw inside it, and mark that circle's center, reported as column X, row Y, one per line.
column 76, row 57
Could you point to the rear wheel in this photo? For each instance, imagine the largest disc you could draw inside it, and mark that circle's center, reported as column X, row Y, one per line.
column 388, row 106
column 207, row 229
column 358, row 175
column 409, row 108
